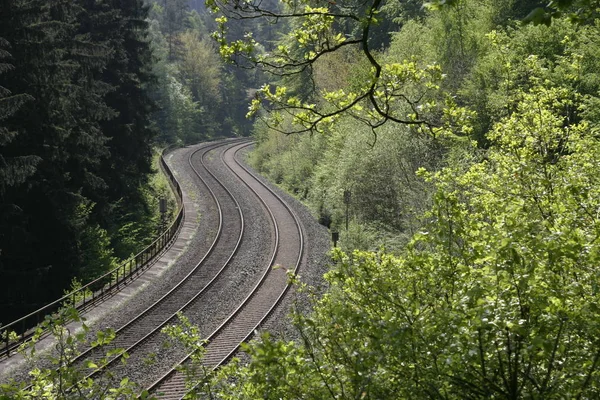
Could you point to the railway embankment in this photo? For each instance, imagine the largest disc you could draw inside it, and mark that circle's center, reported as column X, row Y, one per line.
column 227, row 242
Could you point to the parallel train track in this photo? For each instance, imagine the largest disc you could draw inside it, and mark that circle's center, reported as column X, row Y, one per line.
column 145, row 330
column 263, row 298
column 227, row 238
column 143, row 333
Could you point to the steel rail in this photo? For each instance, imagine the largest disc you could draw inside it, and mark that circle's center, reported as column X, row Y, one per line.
column 296, row 267
column 172, row 384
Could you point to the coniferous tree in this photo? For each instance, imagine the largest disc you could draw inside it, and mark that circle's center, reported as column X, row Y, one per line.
column 13, row 170
column 43, row 215
column 76, row 148
column 173, row 23
column 130, row 134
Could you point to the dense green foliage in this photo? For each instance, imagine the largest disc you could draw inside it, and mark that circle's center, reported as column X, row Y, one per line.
column 484, row 71
column 492, row 288
column 198, row 95
column 496, row 297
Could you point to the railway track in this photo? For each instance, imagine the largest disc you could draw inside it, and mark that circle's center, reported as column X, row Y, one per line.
column 143, row 332
column 266, row 294
column 142, row 335
column 145, row 328
column 102, row 288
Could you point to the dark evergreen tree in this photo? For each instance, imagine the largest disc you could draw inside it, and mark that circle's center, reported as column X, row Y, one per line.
column 41, row 216
column 77, row 148
column 14, row 170
column 130, row 133
column 173, row 23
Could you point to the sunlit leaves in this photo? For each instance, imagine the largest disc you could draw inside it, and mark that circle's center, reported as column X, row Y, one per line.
column 517, row 219
column 315, row 26
column 404, row 92
column 229, row 50
column 313, row 36
column 497, row 297
column 54, row 375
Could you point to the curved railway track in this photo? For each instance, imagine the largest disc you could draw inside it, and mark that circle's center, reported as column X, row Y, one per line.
column 266, row 294
column 147, row 325
column 144, row 330
column 207, row 280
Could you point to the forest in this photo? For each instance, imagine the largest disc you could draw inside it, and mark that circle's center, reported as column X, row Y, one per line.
column 453, row 144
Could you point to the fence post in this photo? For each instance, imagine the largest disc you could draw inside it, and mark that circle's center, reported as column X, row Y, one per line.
column 6, row 333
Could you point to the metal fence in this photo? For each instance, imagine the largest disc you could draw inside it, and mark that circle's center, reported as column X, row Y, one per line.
column 101, row 288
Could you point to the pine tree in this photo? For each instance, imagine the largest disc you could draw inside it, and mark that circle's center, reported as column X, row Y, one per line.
column 41, row 71
column 173, row 23
column 14, row 170
column 130, row 135
column 44, row 217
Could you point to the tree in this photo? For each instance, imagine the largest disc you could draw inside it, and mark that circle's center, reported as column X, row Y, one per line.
column 76, row 128
column 129, row 133
column 491, row 89
column 174, row 16
column 12, row 171
column 322, row 27
column 576, row 10
column 53, row 65
column 200, row 71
